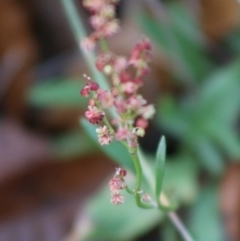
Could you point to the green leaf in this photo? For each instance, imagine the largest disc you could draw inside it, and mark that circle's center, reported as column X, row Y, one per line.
column 59, row 92
column 226, row 138
column 180, row 38
column 219, row 97
column 116, row 151
column 180, row 179
column 173, row 117
column 71, row 144
column 205, row 220
column 159, row 169
column 209, row 155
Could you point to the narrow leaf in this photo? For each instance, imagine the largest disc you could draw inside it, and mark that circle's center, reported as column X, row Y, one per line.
column 71, row 144
column 55, row 93
column 160, row 162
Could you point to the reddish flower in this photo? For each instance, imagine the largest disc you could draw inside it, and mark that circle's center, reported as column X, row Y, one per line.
column 102, row 60
column 129, row 87
column 120, row 105
column 97, row 21
column 120, row 64
column 142, row 123
column 135, row 102
column 94, row 115
column 85, row 92
column 125, row 77
column 122, row 133
column 94, row 86
column 123, row 172
column 110, row 28
column 117, row 199
column 116, row 184
column 147, row 111
column 106, row 98
column 104, row 136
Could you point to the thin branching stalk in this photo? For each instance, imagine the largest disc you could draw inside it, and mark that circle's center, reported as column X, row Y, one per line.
column 79, row 33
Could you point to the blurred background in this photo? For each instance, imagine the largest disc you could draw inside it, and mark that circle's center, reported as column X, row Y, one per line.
column 53, row 177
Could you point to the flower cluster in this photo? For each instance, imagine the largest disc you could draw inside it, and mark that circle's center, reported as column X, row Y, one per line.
column 116, row 184
column 102, row 20
column 126, row 77
column 131, row 111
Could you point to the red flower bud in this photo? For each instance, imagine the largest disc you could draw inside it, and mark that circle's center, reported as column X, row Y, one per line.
column 123, row 172
column 85, row 91
column 94, row 86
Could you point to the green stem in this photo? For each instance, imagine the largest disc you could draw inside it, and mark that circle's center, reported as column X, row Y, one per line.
column 129, row 190
column 80, row 33
column 180, row 227
column 106, row 122
column 103, row 45
column 138, row 168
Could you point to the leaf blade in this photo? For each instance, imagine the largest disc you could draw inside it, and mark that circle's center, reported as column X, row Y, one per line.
column 159, row 169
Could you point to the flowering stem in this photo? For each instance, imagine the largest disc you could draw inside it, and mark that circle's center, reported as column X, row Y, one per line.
column 80, row 34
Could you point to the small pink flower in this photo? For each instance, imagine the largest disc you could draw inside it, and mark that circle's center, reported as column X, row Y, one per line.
column 106, row 98
column 147, row 111
column 123, row 172
column 120, row 105
column 135, row 102
column 122, row 133
column 88, row 44
column 120, row 64
column 94, row 115
column 116, row 184
column 125, row 77
column 108, row 11
column 140, row 56
column 117, row 199
column 104, row 136
column 93, row 86
column 93, row 5
column 85, row 92
column 129, row 87
column 138, row 81
column 145, row 44
column 146, row 198
column 97, row 21
column 120, row 172
column 110, row 28
column 102, row 60
column 142, row 123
